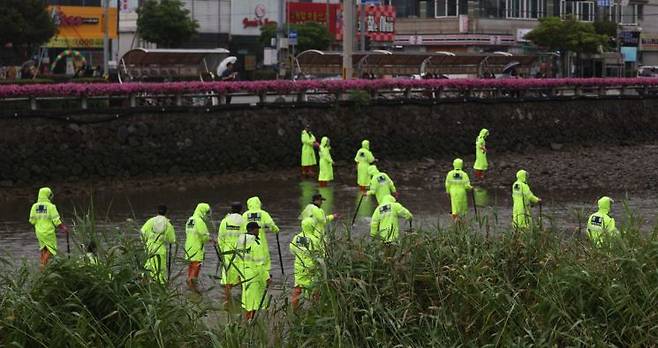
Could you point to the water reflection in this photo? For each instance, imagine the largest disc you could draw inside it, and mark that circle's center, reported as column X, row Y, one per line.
column 327, row 193
column 481, row 196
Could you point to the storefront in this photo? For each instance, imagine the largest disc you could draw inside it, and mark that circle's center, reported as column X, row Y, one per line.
column 649, row 48
column 79, row 38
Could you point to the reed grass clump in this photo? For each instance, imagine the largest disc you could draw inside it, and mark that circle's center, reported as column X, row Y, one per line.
column 440, row 287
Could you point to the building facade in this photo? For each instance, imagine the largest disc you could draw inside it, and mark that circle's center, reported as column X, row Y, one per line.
column 478, row 26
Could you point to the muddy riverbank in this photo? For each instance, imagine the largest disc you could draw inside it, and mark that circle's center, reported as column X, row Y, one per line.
column 631, row 168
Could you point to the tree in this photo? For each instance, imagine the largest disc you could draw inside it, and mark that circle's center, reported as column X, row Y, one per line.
column 565, row 36
column 25, row 23
column 609, row 29
column 166, row 23
column 310, row 35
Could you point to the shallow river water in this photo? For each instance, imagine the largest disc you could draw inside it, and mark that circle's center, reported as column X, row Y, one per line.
column 285, row 198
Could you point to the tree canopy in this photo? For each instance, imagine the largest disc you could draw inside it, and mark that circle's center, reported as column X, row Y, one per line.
column 25, row 23
column 167, row 23
column 310, row 35
column 569, row 35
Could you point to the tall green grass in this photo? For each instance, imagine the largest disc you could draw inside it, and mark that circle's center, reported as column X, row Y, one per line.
column 452, row 286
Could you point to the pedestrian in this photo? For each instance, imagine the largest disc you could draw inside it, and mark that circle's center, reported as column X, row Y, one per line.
column 306, row 247
column 253, row 255
column 308, row 151
column 457, row 183
column 45, row 219
column 522, row 198
column 600, row 226
column 227, row 241
column 326, row 163
column 314, row 211
column 156, row 232
column 481, row 165
column 196, row 235
column 228, row 75
column 381, row 184
column 385, row 222
column 255, row 213
column 364, row 159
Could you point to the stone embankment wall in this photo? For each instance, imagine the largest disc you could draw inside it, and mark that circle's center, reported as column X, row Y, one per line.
column 40, row 148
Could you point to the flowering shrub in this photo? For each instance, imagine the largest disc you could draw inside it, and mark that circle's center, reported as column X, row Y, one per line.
column 285, row 86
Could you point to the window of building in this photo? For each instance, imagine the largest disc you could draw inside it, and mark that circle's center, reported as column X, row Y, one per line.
column 492, row 8
column 527, row 9
column 446, row 8
column 581, row 10
column 624, row 14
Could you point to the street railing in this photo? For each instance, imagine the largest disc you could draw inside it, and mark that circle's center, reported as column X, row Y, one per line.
column 70, row 96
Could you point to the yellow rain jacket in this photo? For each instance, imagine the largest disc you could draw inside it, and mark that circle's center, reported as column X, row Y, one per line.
column 308, row 152
column 385, row 222
column 254, row 213
column 156, row 232
column 196, row 233
column 45, row 219
column 230, row 229
column 481, row 151
column 326, row 162
column 457, row 183
column 364, row 159
column 381, row 184
column 600, row 226
column 522, row 198
column 251, row 260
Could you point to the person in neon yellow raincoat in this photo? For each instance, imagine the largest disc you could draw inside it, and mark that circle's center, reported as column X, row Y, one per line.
column 385, row 222
column 522, row 198
column 481, row 165
column 45, row 219
column 156, row 232
column 364, row 159
column 457, row 183
column 252, row 258
column 600, row 226
column 255, row 213
column 326, row 163
column 314, row 211
column 381, row 184
column 308, row 151
column 306, row 248
column 230, row 229
column 196, row 235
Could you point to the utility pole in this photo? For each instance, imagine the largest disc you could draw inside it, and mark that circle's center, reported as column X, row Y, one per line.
column 327, row 18
column 362, row 25
column 279, row 36
column 106, row 37
column 348, row 38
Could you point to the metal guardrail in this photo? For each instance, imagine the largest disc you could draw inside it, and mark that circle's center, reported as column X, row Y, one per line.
column 210, row 99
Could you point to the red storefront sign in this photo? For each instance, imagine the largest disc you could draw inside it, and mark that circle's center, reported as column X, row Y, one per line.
column 380, row 23
column 299, row 13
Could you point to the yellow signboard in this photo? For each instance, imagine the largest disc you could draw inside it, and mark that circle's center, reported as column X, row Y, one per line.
column 81, row 26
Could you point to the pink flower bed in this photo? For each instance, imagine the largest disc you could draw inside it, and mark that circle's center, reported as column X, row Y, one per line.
column 285, row 86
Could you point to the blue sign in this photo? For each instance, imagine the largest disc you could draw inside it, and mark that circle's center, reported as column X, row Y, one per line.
column 292, row 38
column 370, row 2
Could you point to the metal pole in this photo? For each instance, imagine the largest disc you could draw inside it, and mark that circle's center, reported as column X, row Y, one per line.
column 362, row 26
column 106, row 38
column 327, row 18
column 348, row 38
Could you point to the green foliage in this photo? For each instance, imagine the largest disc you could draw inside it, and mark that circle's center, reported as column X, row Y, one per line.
column 450, row 286
column 567, row 35
column 609, row 29
column 25, row 23
column 167, row 23
column 310, row 35
column 78, row 304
